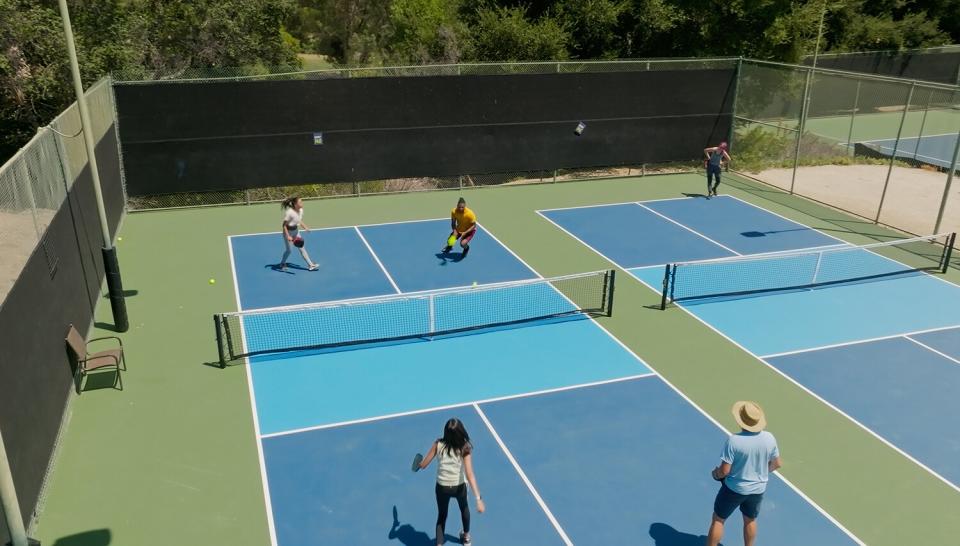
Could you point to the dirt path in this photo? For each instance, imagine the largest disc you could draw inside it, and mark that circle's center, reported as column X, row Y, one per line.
column 912, row 200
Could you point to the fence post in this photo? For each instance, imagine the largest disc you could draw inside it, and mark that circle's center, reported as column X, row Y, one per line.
column 736, row 93
column 10, row 504
column 896, row 144
column 803, row 121
column 28, row 185
column 923, row 123
column 554, row 176
column 356, row 189
column 853, row 116
column 946, row 189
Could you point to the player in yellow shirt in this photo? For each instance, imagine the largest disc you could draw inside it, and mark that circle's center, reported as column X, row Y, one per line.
column 463, row 223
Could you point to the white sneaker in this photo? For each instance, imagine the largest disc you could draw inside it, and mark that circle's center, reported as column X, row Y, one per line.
column 313, row 267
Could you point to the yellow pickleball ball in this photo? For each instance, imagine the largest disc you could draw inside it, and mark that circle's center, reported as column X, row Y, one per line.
column 213, row 281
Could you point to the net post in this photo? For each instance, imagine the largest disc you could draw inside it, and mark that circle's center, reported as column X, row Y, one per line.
column 947, row 252
column 666, row 285
column 216, row 328
column 433, row 316
column 893, row 155
column 609, row 285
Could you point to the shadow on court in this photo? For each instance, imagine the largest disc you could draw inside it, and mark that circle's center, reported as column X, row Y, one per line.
column 693, row 194
column 290, row 268
column 97, row 537
column 449, row 257
column 664, row 535
column 409, row 536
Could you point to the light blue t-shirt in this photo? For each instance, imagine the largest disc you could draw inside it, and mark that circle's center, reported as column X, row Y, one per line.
column 749, row 454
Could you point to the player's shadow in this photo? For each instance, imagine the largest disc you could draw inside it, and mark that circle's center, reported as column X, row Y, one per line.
column 445, row 257
column 664, row 535
column 693, row 194
column 289, row 270
column 409, row 536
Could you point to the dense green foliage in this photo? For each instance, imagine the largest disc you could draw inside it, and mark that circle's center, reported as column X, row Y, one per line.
column 150, row 37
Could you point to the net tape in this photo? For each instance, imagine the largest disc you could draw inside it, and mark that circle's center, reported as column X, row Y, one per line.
column 414, row 315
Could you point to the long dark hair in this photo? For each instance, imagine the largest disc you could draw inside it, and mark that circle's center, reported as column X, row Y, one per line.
column 455, row 438
column 289, row 202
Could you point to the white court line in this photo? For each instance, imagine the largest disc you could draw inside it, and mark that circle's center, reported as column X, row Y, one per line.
column 818, row 397
column 901, row 153
column 859, row 341
column 330, row 228
column 931, row 349
column 764, row 362
column 691, row 230
column 457, row 405
column 523, row 476
column 377, row 259
column 909, row 138
column 614, row 204
column 268, row 504
column 797, row 383
column 601, row 254
column 680, row 393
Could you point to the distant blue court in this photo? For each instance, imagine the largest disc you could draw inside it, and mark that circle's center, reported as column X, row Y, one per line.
column 881, row 348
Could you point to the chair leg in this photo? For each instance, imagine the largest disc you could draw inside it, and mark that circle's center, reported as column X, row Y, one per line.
column 78, row 378
column 119, row 378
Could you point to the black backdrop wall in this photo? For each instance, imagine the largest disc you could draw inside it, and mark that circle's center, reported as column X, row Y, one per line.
column 59, row 285
column 184, row 137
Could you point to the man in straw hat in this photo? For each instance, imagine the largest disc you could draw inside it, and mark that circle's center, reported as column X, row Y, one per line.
column 745, row 465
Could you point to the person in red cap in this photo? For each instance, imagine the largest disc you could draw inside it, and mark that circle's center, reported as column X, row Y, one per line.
column 717, row 157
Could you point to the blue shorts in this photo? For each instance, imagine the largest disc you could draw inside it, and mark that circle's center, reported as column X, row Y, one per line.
column 729, row 500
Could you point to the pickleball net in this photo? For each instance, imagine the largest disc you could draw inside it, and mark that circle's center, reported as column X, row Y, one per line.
column 408, row 316
column 804, row 268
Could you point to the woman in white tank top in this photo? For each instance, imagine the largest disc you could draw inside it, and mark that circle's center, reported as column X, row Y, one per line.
column 292, row 222
column 454, row 455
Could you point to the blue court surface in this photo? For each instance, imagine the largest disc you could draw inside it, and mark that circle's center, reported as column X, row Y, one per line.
column 576, row 440
column 932, row 150
column 844, row 342
column 900, row 388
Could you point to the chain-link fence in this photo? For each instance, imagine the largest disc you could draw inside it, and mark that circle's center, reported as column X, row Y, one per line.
column 465, row 180
column 881, row 148
column 34, row 182
column 933, row 64
column 209, row 75
column 402, row 185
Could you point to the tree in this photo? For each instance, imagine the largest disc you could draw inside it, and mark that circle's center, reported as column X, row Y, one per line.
column 505, row 34
column 426, row 31
column 353, row 31
column 593, row 26
column 181, row 34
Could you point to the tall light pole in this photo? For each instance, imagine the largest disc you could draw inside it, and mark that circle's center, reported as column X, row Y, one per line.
column 10, row 504
column 111, row 266
column 805, row 102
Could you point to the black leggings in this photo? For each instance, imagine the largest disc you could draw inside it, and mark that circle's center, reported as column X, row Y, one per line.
column 713, row 171
column 444, row 494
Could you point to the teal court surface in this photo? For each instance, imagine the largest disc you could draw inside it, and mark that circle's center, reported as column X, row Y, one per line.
column 874, row 338
column 577, row 441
